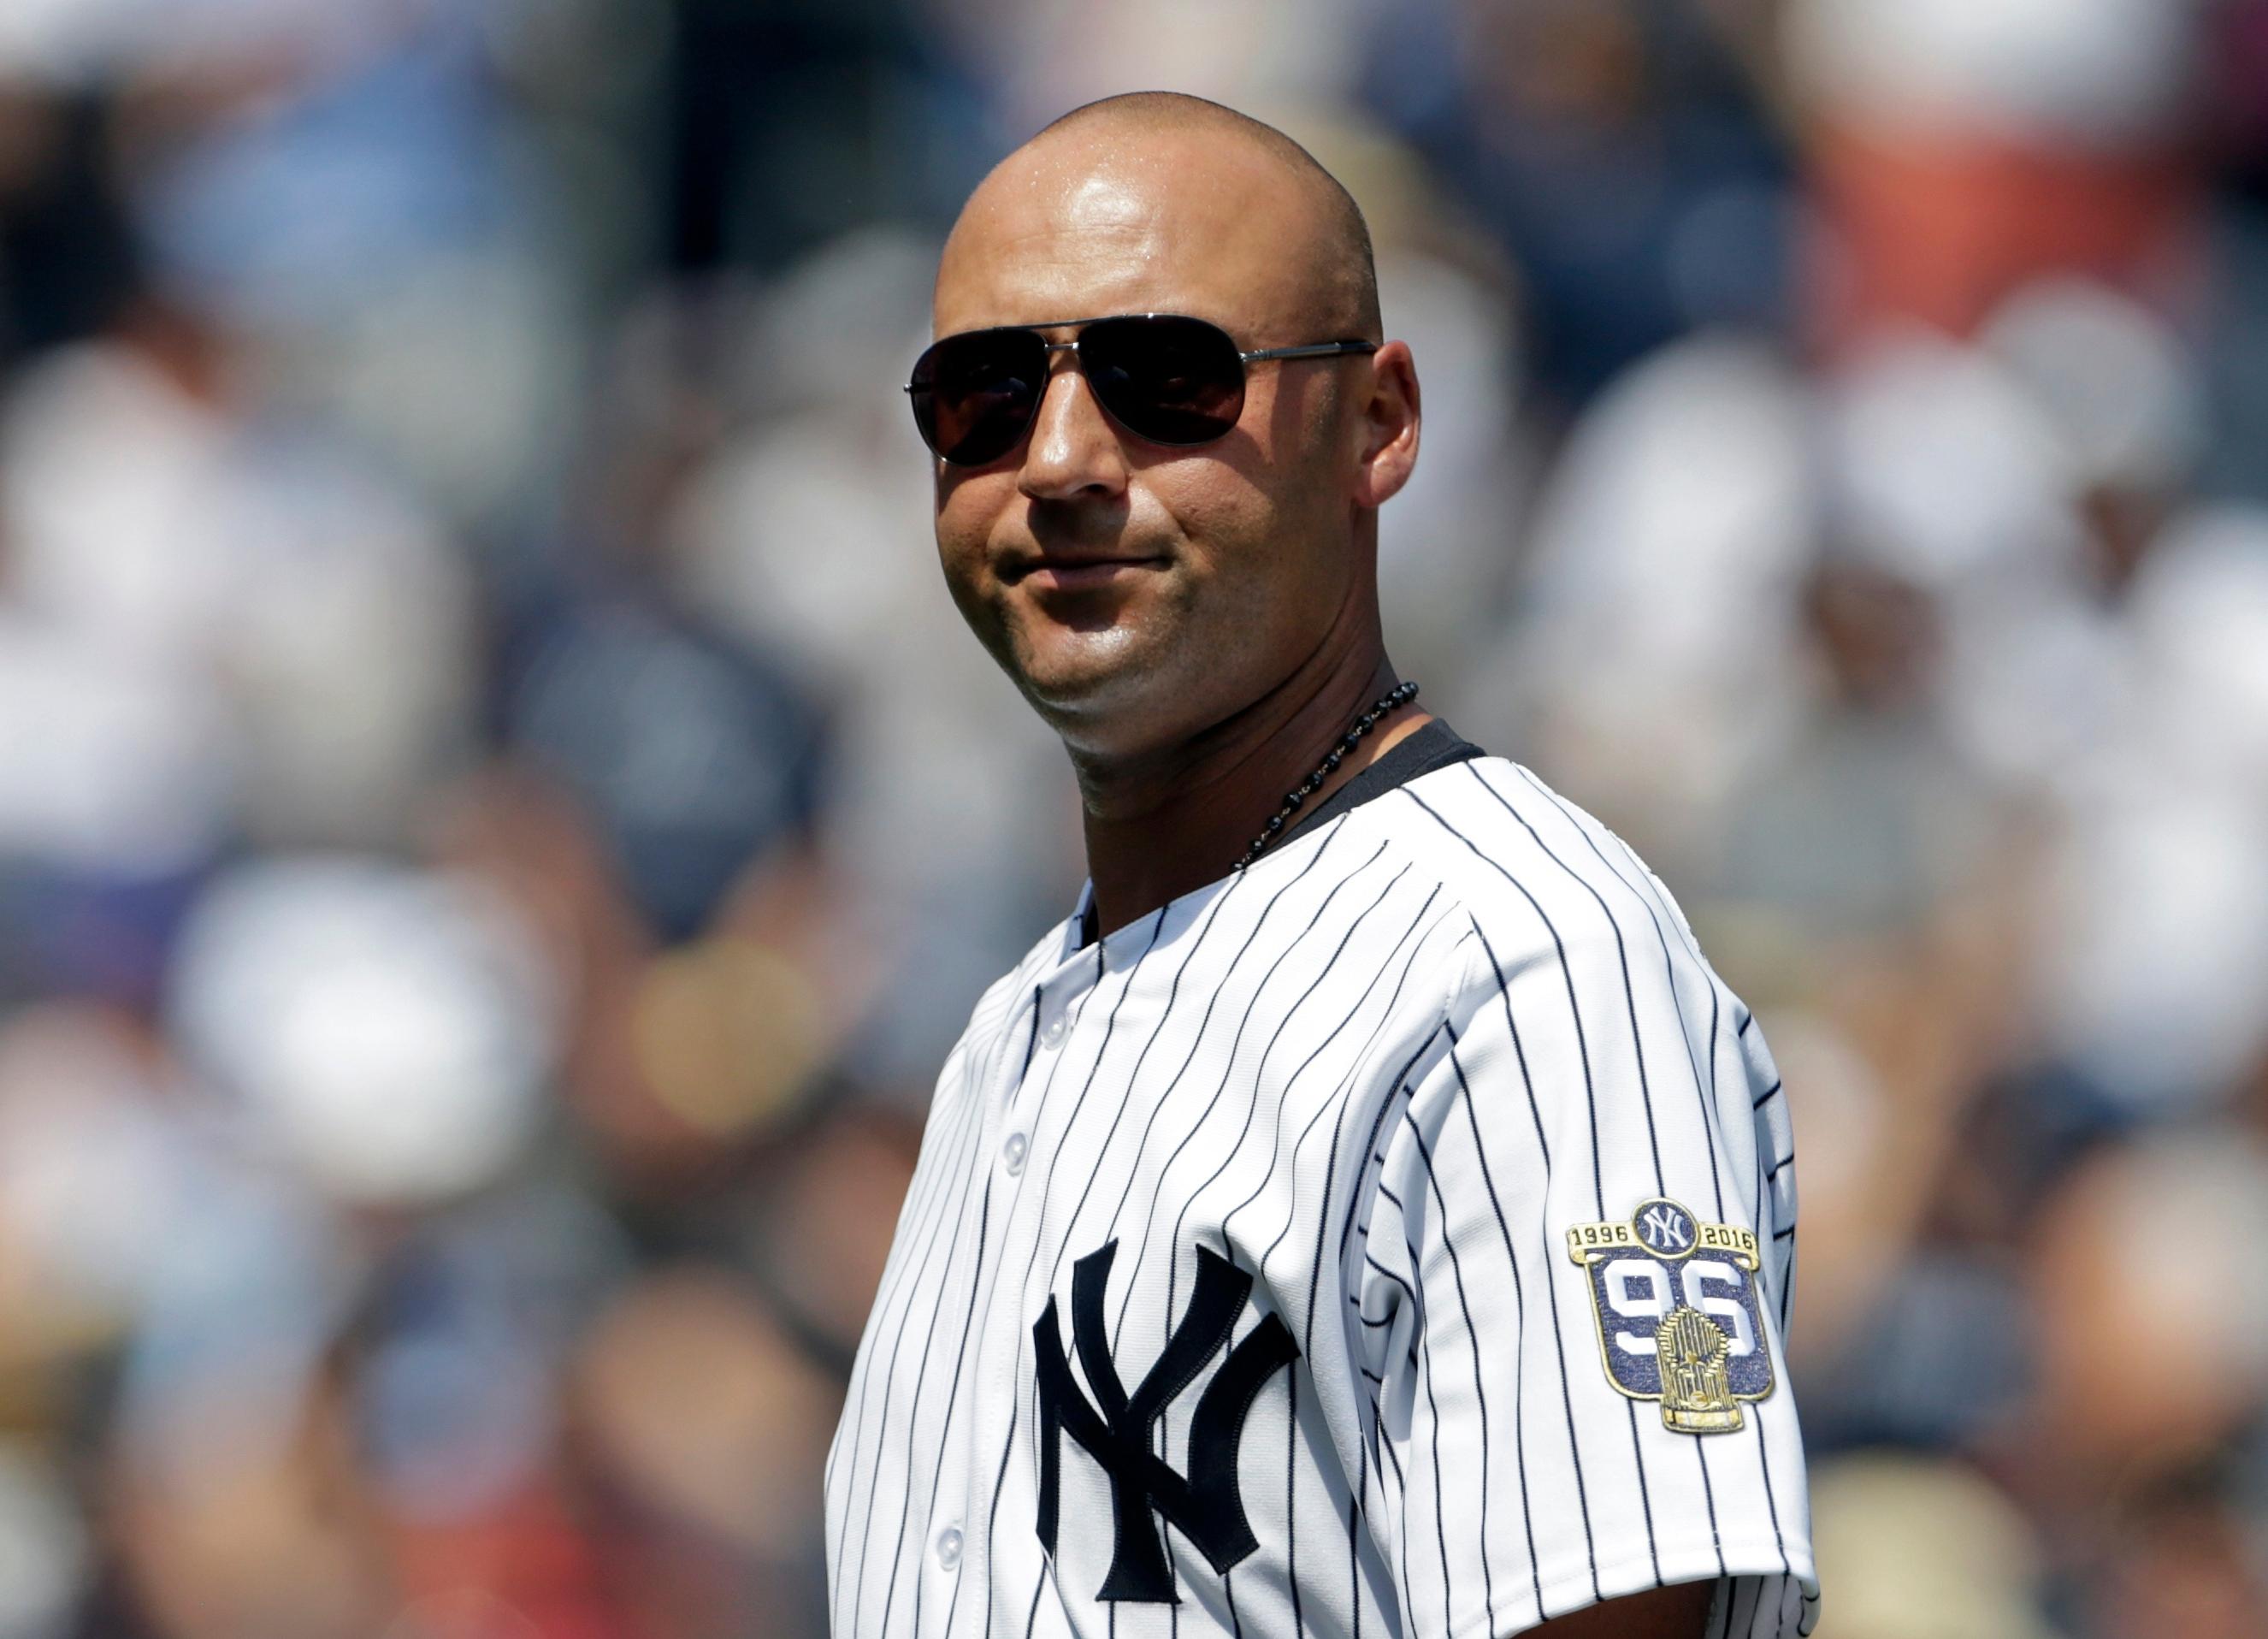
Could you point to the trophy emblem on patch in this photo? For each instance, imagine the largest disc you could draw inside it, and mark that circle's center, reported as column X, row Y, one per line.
column 1678, row 1316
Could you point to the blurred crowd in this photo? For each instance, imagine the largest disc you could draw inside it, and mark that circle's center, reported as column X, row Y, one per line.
column 499, row 821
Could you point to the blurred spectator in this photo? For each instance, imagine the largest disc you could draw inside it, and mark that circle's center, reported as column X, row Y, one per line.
column 1960, row 149
column 1650, row 655
column 153, row 518
column 1923, row 1549
column 1619, row 151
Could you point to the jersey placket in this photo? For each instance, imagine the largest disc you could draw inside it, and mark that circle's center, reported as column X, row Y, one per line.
column 1039, row 1037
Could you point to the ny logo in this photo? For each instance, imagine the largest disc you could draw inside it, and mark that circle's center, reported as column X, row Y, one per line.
column 1205, row 1506
column 1665, row 1231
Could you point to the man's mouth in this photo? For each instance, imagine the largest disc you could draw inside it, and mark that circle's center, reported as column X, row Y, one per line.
column 1063, row 571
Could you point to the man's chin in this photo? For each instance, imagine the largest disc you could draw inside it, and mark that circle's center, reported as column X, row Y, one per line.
column 1099, row 690
column 1086, row 693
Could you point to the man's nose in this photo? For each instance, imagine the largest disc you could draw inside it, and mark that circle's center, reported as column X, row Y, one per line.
column 1073, row 450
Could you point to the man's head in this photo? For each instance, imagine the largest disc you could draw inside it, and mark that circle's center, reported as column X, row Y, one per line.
column 1238, row 559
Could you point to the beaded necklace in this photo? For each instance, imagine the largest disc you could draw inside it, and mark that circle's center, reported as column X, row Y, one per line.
column 1401, row 696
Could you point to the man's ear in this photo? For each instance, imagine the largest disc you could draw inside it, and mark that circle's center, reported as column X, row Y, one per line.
column 1387, row 454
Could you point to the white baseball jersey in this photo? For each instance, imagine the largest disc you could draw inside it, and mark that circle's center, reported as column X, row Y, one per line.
column 1394, row 1237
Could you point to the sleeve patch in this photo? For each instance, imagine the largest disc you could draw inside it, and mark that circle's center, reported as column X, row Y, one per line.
column 1679, row 1321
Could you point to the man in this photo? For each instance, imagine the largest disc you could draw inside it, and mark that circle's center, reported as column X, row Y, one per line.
column 1366, row 1211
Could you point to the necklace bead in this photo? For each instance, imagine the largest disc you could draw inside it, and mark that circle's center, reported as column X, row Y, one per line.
column 1401, row 696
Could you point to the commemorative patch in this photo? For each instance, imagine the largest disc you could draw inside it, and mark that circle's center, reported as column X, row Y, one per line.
column 1678, row 1316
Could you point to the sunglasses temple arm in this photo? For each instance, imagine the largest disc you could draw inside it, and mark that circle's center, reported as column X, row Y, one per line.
column 1322, row 350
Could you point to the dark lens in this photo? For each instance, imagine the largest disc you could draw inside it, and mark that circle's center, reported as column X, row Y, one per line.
column 1170, row 380
column 973, row 395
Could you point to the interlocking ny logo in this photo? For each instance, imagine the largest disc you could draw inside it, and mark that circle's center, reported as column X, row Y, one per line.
column 1665, row 1228
column 1205, row 1506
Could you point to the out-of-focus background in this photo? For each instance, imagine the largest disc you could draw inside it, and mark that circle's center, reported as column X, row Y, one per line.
column 499, row 822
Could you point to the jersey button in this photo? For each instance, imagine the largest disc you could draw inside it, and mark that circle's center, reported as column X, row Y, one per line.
column 1013, row 1153
column 1051, row 1032
column 948, row 1547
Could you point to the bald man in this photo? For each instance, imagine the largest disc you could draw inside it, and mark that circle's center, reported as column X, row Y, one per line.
column 1366, row 1211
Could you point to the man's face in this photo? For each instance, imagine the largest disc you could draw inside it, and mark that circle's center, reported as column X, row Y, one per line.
column 1138, row 593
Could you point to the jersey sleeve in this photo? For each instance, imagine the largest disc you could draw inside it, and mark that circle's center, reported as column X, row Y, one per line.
column 1569, row 1399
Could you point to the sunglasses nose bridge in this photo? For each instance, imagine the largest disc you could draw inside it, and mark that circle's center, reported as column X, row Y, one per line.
column 1071, row 443
column 1056, row 368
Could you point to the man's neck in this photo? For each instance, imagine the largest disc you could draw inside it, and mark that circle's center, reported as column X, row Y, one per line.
column 1162, row 825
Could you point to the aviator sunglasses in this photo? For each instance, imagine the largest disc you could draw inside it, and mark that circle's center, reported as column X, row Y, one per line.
column 1165, row 378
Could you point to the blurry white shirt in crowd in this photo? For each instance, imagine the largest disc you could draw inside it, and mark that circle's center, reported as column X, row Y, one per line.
column 1972, row 473
column 1942, row 469
column 2199, row 615
column 2117, row 387
column 120, row 500
column 2095, row 397
column 1653, row 660
column 112, row 764
column 330, row 617
column 385, row 1031
column 2152, row 950
column 2153, row 954
column 2085, row 73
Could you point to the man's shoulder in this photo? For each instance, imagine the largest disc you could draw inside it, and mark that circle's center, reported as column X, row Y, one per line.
column 1527, row 866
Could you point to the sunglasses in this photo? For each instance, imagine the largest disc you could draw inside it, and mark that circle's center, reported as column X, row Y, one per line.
column 1165, row 378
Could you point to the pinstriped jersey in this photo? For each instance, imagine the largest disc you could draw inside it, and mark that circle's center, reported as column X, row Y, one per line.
column 1394, row 1237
